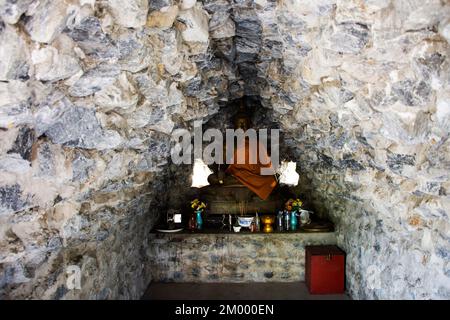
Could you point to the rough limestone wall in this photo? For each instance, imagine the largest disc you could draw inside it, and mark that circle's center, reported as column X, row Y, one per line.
column 362, row 88
column 89, row 94
column 361, row 92
column 90, row 91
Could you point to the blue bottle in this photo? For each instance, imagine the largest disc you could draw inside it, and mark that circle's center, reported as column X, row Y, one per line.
column 294, row 220
column 199, row 220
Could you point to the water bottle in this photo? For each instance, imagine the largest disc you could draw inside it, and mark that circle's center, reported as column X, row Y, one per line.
column 287, row 221
column 294, row 220
column 280, row 221
column 199, row 220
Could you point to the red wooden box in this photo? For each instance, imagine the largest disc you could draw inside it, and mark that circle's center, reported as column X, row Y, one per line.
column 325, row 269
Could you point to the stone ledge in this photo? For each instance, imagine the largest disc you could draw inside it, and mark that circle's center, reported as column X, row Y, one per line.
column 219, row 232
column 216, row 231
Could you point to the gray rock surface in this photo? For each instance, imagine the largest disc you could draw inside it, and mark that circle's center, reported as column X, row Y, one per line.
column 11, row 11
column 48, row 19
column 50, row 65
column 90, row 37
column 90, row 92
column 129, row 14
column 78, row 127
column 94, row 80
column 14, row 59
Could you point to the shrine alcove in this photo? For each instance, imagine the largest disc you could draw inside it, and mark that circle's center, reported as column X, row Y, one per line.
column 92, row 92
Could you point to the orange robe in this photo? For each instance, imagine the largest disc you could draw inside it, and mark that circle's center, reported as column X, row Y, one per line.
column 250, row 174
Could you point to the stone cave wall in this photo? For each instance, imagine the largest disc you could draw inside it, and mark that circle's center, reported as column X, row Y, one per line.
column 368, row 116
column 90, row 92
column 360, row 90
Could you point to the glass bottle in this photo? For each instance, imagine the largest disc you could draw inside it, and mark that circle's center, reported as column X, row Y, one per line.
column 199, row 220
column 294, row 220
column 287, row 222
column 280, row 221
column 253, row 226
column 192, row 223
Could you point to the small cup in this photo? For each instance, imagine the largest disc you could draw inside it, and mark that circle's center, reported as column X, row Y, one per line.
column 236, row 229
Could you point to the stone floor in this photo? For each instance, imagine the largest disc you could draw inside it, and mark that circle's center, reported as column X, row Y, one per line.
column 234, row 291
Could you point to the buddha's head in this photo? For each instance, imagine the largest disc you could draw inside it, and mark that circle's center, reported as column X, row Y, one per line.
column 242, row 119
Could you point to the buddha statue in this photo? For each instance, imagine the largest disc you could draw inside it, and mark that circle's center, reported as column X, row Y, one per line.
column 245, row 174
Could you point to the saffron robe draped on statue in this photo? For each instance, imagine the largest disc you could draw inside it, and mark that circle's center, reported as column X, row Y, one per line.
column 250, row 174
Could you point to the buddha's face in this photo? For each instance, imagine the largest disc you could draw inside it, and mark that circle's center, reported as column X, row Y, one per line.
column 242, row 123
